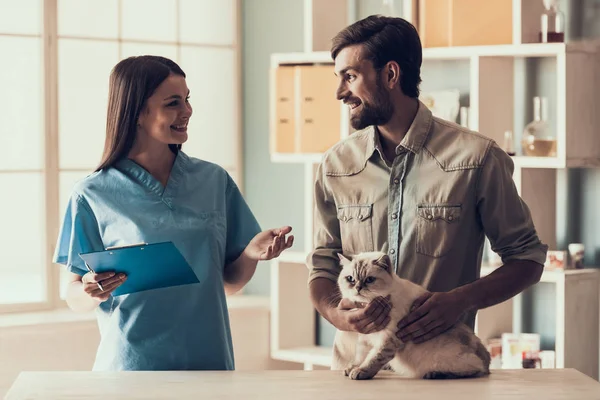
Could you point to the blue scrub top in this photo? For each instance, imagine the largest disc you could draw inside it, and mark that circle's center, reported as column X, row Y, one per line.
column 203, row 213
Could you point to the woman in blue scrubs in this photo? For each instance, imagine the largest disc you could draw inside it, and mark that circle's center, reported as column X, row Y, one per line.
column 146, row 189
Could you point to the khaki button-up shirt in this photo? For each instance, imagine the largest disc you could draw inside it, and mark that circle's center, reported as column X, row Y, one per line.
column 429, row 209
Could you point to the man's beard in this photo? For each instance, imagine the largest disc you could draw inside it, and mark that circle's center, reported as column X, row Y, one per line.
column 377, row 112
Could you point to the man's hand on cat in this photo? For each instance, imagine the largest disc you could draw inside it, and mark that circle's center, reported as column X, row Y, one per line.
column 431, row 314
column 364, row 318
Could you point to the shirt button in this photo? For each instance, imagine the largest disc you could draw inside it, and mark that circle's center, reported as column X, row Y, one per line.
column 392, row 251
column 429, row 216
column 450, row 218
column 396, row 181
column 394, row 215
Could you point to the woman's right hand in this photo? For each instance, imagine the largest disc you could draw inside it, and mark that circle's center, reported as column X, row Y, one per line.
column 108, row 281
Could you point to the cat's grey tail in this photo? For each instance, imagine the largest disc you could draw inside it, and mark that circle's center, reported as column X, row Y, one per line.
column 484, row 355
column 454, row 375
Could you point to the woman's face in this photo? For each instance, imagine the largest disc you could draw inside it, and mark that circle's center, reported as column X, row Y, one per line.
column 167, row 112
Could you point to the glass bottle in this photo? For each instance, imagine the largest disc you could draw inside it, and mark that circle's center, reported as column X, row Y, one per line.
column 531, row 359
column 552, row 23
column 509, row 143
column 538, row 140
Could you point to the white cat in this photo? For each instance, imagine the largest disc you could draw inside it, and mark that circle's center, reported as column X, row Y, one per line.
column 456, row 353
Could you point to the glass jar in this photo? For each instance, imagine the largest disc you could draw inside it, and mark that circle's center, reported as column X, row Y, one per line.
column 509, row 143
column 531, row 359
column 538, row 140
column 552, row 29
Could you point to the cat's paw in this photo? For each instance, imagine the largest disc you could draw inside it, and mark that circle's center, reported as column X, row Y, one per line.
column 360, row 374
column 349, row 369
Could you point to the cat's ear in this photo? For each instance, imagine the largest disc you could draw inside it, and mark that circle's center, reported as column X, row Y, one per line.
column 343, row 260
column 384, row 262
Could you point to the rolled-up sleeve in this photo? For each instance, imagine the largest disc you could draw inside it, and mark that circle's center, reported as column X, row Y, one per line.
column 323, row 261
column 505, row 217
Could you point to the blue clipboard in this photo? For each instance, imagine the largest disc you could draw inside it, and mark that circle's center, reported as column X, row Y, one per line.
column 147, row 266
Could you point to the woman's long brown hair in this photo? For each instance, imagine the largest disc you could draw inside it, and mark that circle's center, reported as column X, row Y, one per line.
column 132, row 81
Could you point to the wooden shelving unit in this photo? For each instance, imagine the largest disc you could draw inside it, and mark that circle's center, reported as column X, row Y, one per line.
column 492, row 91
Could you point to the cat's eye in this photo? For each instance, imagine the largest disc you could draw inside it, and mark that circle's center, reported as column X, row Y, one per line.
column 370, row 279
column 350, row 279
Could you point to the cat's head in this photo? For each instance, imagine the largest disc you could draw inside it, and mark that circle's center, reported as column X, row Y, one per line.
column 366, row 277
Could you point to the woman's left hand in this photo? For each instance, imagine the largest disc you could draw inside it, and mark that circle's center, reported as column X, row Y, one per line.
column 269, row 244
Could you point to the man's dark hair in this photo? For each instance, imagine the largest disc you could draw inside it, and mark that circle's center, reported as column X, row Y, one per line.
column 386, row 39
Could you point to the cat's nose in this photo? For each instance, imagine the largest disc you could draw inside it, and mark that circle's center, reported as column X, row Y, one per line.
column 358, row 288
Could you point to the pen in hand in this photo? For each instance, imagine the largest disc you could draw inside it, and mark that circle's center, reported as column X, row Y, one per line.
column 100, row 286
column 92, row 271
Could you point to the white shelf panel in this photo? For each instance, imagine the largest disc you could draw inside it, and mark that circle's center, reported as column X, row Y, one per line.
column 520, row 161
column 316, row 355
column 538, row 162
column 314, row 57
column 298, row 257
column 549, row 276
column 456, row 52
column 296, row 158
column 241, row 301
column 508, row 50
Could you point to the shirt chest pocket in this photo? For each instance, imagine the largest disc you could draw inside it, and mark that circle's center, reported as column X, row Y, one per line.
column 356, row 227
column 437, row 228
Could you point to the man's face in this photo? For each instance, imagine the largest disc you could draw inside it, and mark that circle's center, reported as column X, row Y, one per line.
column 362, row 89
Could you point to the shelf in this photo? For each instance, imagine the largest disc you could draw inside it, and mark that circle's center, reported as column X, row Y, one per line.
column 507, row 50
column 520, row 161
column 298, row 257
column 554, row 162
column 549, row 276
column 538, row 162
column 315, row 355
column 314, row 57
column 241, row 301
column 296, row 158
column 456, row 52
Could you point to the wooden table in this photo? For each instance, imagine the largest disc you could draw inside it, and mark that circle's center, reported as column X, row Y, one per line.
column 309, row 385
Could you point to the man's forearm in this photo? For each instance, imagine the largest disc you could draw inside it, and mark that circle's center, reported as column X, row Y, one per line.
column 325, row 297
column 502, row 284
column 238, row 273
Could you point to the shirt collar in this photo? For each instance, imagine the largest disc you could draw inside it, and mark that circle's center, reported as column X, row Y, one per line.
column 141, row 175
column 414, row 139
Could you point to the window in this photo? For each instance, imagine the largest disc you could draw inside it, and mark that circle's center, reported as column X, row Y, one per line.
column 53, row 108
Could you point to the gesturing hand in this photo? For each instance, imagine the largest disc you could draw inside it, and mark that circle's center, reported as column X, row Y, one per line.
column 100, row 286
column 432, row 314
column 269, row 244
column 364, row 318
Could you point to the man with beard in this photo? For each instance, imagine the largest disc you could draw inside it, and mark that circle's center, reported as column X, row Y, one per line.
column 424, row 190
